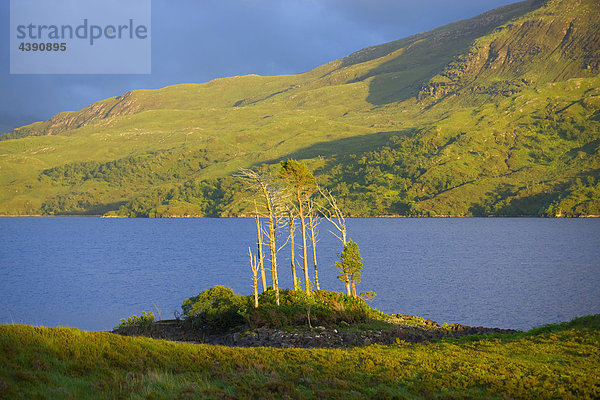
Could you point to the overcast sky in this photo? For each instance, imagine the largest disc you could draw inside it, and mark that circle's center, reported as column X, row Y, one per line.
column 194, row 41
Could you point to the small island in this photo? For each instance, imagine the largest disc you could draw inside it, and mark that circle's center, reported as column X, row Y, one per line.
column 327, row 319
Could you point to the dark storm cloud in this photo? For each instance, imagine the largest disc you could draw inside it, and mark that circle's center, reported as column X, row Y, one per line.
column 195, row 41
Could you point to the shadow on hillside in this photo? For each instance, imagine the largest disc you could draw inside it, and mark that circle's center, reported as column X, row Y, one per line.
column 399, row 78
column 391, row 84
column 95, row 209
column 427, row 54
column 588, row 148
column 506, row 201
column 342, row 147
column 402, row 77
column 100, row 209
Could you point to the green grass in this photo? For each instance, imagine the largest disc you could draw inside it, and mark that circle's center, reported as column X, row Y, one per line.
column 559, row 361
column 500, row 115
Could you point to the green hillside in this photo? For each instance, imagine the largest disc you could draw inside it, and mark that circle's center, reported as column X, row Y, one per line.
column 496, row 115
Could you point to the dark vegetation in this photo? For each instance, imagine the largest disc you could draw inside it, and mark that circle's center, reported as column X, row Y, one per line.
column 219, row 309
column 153, row 168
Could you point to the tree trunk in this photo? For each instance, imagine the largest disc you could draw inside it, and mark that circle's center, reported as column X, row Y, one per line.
column 255, row 291
column 293, row 252
column 304, row 254
column 354, row 288
column 260, row 182
column 254, row 266
column 314, row 249
column 348, row 288
column 272, row 246
column 261, row 257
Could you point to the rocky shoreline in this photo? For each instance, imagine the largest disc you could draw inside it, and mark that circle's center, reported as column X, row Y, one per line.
column 317, row 337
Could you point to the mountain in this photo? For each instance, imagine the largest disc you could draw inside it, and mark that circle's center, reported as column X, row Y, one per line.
column 495, row 115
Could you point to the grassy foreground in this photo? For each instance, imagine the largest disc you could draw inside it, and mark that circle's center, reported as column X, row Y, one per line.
column 561, row 361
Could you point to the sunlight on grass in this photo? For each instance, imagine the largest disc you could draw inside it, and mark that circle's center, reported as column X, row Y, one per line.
column 560, row 360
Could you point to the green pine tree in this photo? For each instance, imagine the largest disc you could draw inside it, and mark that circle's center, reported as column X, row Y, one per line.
column 350, row 266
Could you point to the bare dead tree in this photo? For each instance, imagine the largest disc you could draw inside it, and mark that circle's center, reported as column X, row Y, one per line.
column 261, row 256
column 335, row 216
column 313, row 222
column 262, row 184
column 254, row 266
column 301, row 181
column 292, row 226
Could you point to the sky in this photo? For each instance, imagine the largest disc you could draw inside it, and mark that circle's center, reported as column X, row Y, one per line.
column 194, row 41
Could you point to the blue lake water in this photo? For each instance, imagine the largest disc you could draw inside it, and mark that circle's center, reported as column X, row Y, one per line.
column 496, row 272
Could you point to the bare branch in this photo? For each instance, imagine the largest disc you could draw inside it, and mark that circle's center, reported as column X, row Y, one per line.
column 287, row 240
column 255, row 268
column 334, row 215
column 262, row 184
column 334, row 234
